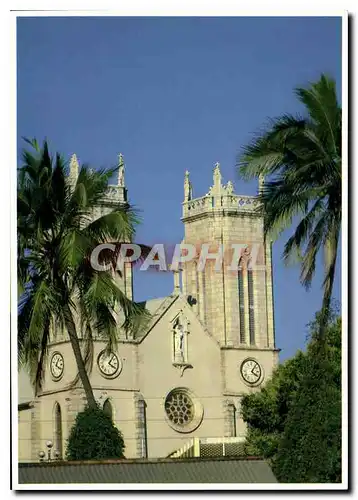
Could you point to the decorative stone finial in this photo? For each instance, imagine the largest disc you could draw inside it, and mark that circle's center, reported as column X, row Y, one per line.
column 121, row 170
column 176, row 275
column 261, row 183
column 217, row 177
column 74, row 169
column 176, row 281
column 229, row 188
column 188, row 189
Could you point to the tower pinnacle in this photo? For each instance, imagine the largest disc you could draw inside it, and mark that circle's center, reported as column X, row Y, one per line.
column 74, row 169
column 188, row 190
column 261, row 183
column 217, row 177
column 121, row 170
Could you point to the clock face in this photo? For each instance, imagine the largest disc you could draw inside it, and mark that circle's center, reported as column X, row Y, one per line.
column 109, row 364
column 57, row 365
column 251, row 371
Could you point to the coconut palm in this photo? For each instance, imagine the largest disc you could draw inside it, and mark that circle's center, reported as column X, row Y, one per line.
column 58, row 287
column 301, row 155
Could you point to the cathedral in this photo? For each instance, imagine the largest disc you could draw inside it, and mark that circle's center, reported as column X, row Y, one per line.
column 179, row 378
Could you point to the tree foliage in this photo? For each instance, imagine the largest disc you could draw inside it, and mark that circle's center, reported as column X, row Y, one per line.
column 302, row 159
column 295, row 420
column 94, row 437
column 310, row 448
column 59, row 288
column 266, row 411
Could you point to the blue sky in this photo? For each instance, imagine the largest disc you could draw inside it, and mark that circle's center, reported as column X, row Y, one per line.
column 173, row 94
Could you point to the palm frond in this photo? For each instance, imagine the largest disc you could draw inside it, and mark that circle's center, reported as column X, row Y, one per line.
column 320, row 99
column 56, row 235
column 302, row 232
column 301, row 158
column 118, row 225
column 314, row 244
column 267, row 152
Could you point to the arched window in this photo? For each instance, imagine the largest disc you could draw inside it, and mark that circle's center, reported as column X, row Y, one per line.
column 241, row 303
column 58, row 429
column 203, row 299
column 107, row 408
column 197, row 284
column 250, row 286
column 232, row 419
column 200, row 287
column 142, row 425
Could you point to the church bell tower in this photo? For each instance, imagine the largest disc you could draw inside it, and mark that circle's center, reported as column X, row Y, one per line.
column 233, row 300
column 117, row 194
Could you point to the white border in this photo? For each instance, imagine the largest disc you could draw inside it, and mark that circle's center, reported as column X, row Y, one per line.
column 161, row 8
column 200, row 8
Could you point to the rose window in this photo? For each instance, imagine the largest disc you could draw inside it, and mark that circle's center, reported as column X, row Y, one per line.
column 179, row 408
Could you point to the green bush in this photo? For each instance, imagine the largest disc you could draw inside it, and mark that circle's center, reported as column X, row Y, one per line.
column 94, row 437
column 310, row 448
column 294, row 421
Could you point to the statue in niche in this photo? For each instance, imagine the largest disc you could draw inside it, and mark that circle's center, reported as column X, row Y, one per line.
column 180, row 333
column 246, row 257
column 179, row 343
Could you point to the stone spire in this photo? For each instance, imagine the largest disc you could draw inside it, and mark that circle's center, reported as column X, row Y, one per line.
column 229, row 188
column 188, row 189
column 261, row 183
column 74, row 170
column 176, row 275
column 121, row 170
column 217, row 177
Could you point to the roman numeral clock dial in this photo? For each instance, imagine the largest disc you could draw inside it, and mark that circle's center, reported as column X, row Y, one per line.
column 109, row 364
column 57, row 366
column 251, row 371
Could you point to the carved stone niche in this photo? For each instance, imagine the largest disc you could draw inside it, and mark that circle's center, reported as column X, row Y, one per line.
column 179, row 328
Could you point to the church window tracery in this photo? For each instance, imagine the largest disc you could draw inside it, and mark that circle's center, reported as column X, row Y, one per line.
column 179, row 408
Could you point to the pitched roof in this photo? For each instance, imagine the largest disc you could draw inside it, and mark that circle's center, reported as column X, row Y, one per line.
column 157, row 309
column 220, row 470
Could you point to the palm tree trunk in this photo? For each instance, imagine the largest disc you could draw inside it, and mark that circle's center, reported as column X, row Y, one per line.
column 327, row 295
column 71, row 328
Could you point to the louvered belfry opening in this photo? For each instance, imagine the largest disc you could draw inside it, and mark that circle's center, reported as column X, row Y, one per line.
column 241, row 304
column 250, row 289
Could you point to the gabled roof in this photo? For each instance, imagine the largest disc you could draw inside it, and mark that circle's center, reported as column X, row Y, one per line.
column 163, row 306
column 157, row 313
column 193, row 470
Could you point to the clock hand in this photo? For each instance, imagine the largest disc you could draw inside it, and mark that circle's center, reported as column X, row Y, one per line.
column 110, row 362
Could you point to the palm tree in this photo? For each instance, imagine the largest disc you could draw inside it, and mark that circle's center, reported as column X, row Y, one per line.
column 301, row 155
column 58, row 288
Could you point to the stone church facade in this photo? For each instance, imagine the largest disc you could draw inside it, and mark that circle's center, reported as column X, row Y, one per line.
column 183, row 373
